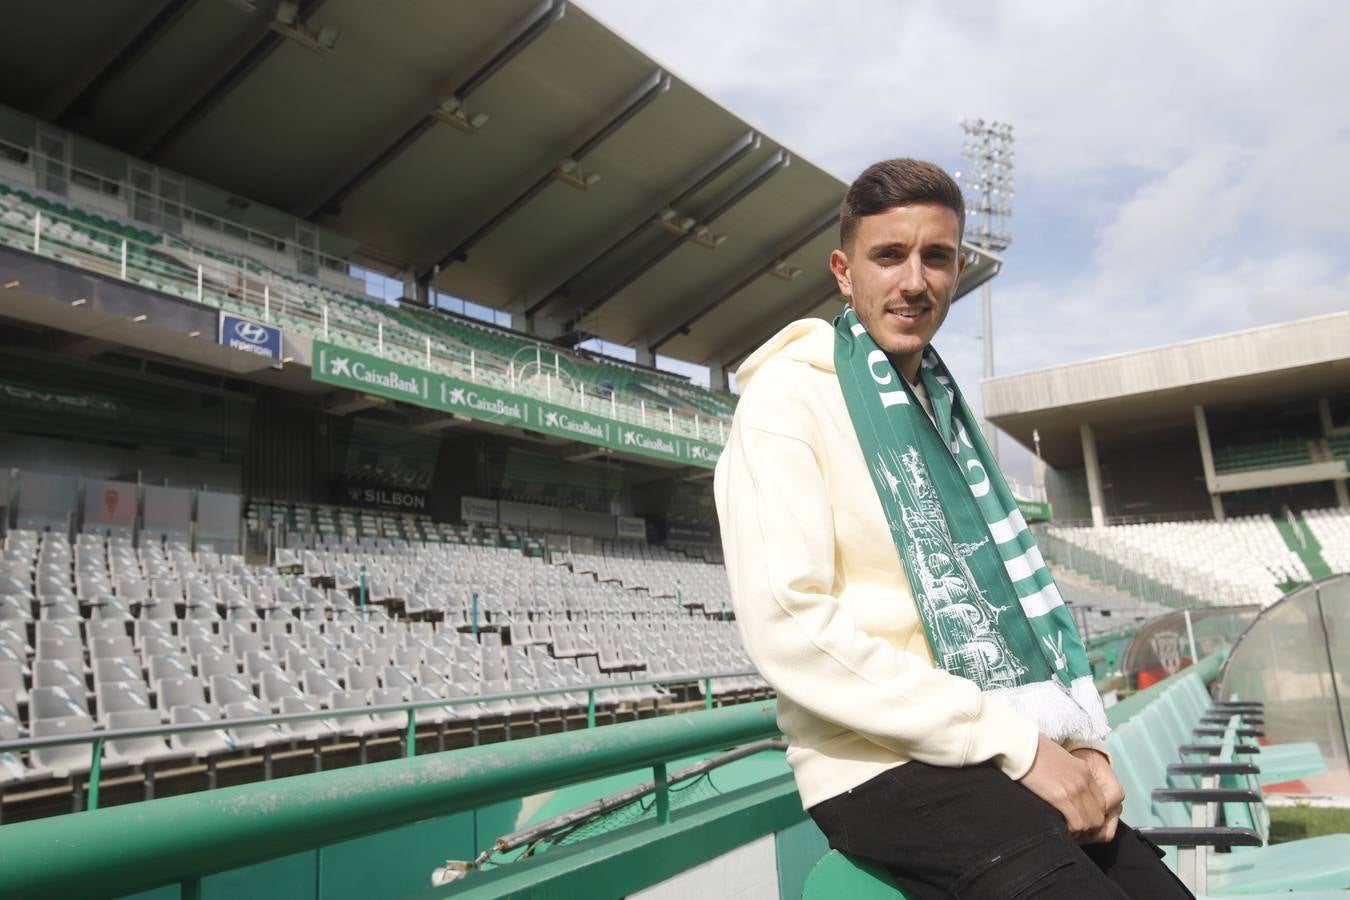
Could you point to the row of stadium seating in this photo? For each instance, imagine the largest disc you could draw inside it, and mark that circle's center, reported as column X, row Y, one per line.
column 102, row 633
column 1271, row 454
column 1237, row 562
column 307, row 525
column 1099, row 609
column 402, row 333
column 1192, row 780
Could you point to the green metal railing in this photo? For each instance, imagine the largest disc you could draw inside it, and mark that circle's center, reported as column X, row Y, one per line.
column 98, row 739
column 125, row 849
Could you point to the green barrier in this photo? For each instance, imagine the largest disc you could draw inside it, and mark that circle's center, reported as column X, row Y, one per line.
column 1207, row 669
column 121, row 850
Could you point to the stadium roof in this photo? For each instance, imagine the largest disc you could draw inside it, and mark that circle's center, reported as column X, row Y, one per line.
column 364, row 117
column 1134, row 397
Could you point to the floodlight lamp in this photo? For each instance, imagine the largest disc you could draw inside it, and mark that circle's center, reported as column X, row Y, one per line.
column 288, row 11
column 687, row 223
column 479, row 120
column 592, row 178
column 567, row 166
column 666, row 215
column 719, row 239
column 701, row 231
column 450, row 104
column 327, row 37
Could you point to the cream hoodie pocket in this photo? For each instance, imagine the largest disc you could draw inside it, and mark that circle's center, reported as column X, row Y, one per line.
column 887, row 614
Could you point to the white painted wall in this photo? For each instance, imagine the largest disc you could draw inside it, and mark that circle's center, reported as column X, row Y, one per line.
column 750, row 872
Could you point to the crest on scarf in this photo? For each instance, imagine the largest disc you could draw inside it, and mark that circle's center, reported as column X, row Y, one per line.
column 965, row 624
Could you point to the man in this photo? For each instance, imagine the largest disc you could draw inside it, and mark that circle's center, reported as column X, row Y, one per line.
column 937, row 699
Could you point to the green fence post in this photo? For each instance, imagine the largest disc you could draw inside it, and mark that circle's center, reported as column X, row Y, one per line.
column 662, row 794
column 412, row 734
column 95, row 772
column 474, row 599
column 590, row 708
column 707, row 693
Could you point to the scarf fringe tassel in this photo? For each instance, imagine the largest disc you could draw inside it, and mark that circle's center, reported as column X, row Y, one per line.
column 1060, row 712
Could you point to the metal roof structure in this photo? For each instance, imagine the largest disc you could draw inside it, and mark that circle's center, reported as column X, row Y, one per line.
column 1133, row 399
column 517, row 153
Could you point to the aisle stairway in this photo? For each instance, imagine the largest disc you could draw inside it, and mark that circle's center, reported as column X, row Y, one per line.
column 1300, row 539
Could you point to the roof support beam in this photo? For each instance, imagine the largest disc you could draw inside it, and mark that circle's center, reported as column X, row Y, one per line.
column 825, row 295
column 744, row 188
column 259, row 43
column 733, row 154
column 526, row 32
column 750, row 277
column 637, row 100
column 75, row 100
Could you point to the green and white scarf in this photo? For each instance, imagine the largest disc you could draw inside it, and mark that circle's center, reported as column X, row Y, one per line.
column 990, row 610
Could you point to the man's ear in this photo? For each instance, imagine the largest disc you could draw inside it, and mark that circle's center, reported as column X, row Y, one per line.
column 960, row 266
column 840, row 270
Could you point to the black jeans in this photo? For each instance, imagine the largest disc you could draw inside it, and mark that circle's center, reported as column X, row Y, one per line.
column 975, row 834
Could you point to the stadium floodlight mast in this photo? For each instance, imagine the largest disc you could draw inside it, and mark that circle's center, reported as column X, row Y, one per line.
column 988, row 149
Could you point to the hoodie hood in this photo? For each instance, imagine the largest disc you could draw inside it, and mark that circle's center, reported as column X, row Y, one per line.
column 806, row 340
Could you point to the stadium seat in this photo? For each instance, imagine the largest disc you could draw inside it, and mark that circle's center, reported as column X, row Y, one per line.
column 202, row 744
column 139, row 751
column 64, row 760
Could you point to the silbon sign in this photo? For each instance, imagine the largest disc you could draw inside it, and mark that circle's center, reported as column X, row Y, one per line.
column 347, row 368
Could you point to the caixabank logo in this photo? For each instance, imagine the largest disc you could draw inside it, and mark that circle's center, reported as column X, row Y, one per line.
column 630, row 438
column 701, row 453
column 356, row 369
column 468, row 398
column 559, row 420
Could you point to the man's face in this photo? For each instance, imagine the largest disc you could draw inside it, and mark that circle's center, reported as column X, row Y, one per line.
column 899, row 274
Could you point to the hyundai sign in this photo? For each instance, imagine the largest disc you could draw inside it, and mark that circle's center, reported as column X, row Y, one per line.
column 250, row 336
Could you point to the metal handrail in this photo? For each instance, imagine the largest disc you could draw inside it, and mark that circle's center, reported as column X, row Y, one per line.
column 97, row 739
column 110, row 734
column 214, row 279
column 125, row 849
column 123, row 190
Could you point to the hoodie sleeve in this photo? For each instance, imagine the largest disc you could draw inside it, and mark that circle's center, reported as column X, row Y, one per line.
column 778, row 534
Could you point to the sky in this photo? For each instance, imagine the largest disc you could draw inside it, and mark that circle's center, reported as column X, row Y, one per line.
column 1182, row 169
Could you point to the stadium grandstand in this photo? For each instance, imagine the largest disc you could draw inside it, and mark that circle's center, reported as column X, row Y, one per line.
column 1212, row 471
column 364, row 370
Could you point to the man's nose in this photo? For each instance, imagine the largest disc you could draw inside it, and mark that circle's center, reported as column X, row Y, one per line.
column 912, row 281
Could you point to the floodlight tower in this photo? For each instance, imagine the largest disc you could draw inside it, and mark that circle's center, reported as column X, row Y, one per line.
column 988, row 149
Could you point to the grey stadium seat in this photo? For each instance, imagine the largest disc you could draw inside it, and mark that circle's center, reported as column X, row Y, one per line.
column 182, row 691
column 201, row 743
column 123, row 696
column 55, row 703
column 255, row 736
column 359, row 725
column 63, row 761
column 310, row 729
column 142, row 750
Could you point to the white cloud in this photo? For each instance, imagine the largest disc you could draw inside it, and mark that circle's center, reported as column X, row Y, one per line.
column 1182, row 168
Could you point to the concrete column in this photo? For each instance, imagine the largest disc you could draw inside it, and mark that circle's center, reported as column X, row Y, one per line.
column 717, row 375
column 1324, row 413
column 1094, row 474
column 1207, row 462
column 644, row 357
column 417, row 290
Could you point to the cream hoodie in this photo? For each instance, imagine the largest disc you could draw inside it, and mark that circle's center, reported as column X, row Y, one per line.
column 822, row 601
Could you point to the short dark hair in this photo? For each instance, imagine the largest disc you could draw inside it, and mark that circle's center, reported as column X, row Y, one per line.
column 898, row 182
